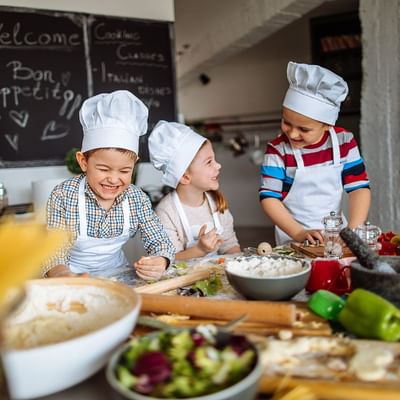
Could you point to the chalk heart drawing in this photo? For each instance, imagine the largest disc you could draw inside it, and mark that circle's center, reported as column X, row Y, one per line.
column 65, row 77
column 19, row 117
column 12, row 140
column 54, row 131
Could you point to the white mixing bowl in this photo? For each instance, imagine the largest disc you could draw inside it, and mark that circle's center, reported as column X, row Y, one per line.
column 64, row 332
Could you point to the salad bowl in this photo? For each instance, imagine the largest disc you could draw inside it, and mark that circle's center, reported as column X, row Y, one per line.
column 200, row 364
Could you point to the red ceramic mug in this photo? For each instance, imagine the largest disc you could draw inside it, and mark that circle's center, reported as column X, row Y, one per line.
column 329, row 275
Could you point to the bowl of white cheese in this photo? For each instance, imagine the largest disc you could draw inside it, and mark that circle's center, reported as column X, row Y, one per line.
column 273, row 277
column 64, row 332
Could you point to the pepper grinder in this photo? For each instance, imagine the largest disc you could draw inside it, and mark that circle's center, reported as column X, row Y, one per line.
column 332, row 226
column 369, row 234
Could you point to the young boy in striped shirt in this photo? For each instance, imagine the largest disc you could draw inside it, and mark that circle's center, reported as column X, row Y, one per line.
column 307, row 167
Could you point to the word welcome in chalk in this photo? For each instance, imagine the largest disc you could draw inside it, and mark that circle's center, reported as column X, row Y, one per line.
column 17, row 37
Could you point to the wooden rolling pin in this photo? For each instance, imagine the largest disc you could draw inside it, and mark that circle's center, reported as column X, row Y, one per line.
column 283, row 314
column 174, row 283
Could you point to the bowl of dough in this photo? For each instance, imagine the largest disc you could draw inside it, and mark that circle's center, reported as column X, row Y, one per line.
column 273, row 277
column 63, row 332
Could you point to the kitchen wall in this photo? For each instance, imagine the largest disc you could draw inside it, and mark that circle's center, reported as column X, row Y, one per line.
column 254, row 82
column 380, row 107
column 249, row 86
column 147, row 9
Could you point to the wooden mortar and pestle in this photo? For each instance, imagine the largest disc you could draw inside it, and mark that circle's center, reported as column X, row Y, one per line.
column 379, row 274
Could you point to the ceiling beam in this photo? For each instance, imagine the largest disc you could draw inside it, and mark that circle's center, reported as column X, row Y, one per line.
column 240, row 28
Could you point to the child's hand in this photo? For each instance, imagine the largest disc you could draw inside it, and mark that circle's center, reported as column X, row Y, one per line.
column 151, row 268
column 60, row 271
column 312, row 235
column 209, row 241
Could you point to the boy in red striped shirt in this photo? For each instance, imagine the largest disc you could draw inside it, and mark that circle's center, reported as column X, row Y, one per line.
column 307, row 167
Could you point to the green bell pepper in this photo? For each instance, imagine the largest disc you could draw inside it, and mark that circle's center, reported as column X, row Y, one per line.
column 326, row 304
column 370, row 316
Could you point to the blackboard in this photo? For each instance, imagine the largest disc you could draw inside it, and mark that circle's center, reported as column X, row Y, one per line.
column 52, row 61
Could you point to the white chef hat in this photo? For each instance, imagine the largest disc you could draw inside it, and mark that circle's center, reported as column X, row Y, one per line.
column 315, row 92
column 172, row 147
column 114, row 119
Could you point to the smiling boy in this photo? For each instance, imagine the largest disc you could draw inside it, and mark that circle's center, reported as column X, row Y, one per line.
column 100, row 207
column 307, row 167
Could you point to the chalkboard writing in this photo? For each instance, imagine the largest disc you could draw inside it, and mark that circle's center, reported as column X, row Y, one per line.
column 51, row 61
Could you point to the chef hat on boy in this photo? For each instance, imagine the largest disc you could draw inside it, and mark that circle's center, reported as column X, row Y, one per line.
column 172, row 147
column 114, row 119
column 315, row 92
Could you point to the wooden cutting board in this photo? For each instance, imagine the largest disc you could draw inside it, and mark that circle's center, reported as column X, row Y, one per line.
column 338, row 385
column 304, row 322
column 317, row 251
column 302, row 328
column 333, row 390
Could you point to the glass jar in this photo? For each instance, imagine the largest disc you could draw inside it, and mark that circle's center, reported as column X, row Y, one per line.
column 332, row 243
column 369, row 234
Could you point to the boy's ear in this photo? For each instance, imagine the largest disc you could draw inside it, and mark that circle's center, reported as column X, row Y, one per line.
column 82, row 161
column 186, row 179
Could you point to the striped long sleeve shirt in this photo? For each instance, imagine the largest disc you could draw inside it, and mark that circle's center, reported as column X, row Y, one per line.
column 279, row 166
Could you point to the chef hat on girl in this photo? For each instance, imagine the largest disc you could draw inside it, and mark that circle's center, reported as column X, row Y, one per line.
column 172, row 147
column 315, row 92
column 114, row 119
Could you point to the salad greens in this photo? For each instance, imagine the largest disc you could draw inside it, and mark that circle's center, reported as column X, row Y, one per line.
column 184, row 363
column 209, row 287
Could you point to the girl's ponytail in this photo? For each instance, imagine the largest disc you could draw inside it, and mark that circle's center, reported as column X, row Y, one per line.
column 220, row 201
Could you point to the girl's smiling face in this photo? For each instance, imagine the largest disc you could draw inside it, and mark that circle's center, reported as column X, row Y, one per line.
column 301, row 130
column 108, row 172
column 204, row 169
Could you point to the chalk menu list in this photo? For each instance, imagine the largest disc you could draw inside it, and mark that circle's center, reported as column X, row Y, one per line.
column 52, row 61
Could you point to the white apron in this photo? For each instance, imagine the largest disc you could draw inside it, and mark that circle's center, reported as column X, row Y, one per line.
column 192, row 231
column 316, row 191
column 98, row 256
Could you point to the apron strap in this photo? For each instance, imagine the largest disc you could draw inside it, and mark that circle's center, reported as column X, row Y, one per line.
column 82, row 209
column 298, row 158
column 217, row 223
column 335, row 147
column 182, row 216
column 126, row 211
column 185, row 222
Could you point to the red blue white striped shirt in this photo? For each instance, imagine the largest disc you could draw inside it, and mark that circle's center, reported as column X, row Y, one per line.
column 279, row 166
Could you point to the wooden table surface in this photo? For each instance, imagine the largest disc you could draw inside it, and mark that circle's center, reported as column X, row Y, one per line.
column 97, row 388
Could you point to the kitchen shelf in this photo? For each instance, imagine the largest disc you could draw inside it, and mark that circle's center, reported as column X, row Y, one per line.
column 336, row 44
